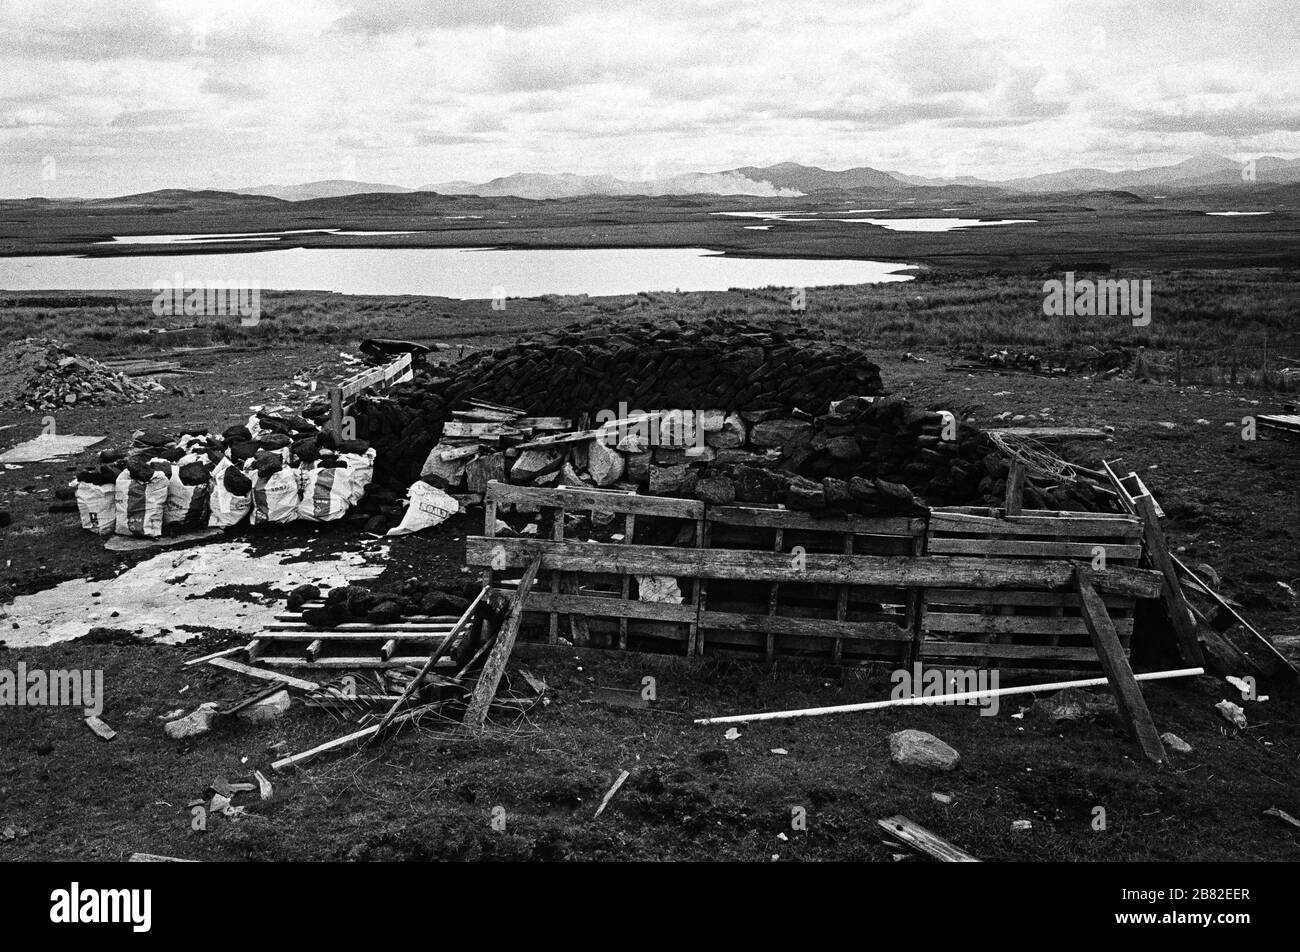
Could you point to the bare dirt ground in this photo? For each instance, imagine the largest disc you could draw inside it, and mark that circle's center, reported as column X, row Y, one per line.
column 66, row 794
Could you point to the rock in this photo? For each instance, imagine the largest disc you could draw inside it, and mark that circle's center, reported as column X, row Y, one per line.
column 913, row 748
column 1232, row 713
column 944, row 798
column 758, row 485
column 700, row 454
column 666, row 480
column 844, row 448
column 534, row 463
column 731, row 434
column 484, row 469
column 716, row 490
column 193, row 724
column 450, row 473
column 780, row 433
column 637, row 467
column 1075, row 704
column 604, row 463
column 1021, row 826
column 571, row 477
column 1176, row 743
column 633, row 443
column 267, row 709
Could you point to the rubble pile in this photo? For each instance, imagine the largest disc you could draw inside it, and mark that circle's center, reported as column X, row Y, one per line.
column 41, row 374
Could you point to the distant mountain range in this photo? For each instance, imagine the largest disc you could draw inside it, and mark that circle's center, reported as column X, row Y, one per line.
column 790, row 180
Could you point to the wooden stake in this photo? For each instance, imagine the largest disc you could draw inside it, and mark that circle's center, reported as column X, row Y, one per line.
column 1128, row 695
column 1015, row 488
column 486, row 687
column 609, row 795
column 1175, row 602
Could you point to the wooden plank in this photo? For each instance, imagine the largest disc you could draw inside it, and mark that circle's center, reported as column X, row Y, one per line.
column 347, row 661
column 1128, row 694
column 1015, row 488
column 976, row 596
column 1175, row 602
column 919, row 838
column 251, row 671
column 608, row 607
column 625, row 583
column 1032, row 549
column 1014, row 624
column 585, row 500
column 486, row 687
column 794, row 519
column 1051, row 432
column 389, row 372
column 397, row 629
column 224, row 653
column 900, row 571
column 353, row 636
column 821, row 627
column 1224, row 607
column 1031, row 515
column 934, row 648
column 598, row 433
column 1023, row 525
column 579, row 634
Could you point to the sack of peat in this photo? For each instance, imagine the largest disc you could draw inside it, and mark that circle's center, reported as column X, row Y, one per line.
column 231, row 497
column 96, row 507
column 326, row 493
column 139, row 504
column 188, row 490
column 275, row 495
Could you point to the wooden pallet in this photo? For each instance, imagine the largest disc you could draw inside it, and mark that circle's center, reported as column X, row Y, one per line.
column 342, row 396
column 856, row 593
column 1029, row 626
column 291, row 642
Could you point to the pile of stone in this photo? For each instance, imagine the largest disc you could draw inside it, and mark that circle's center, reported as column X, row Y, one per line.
column 41, row 374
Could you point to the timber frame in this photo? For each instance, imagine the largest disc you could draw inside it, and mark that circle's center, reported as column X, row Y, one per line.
column 957, row 584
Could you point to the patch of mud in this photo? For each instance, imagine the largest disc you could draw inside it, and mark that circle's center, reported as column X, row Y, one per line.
column 170, row 595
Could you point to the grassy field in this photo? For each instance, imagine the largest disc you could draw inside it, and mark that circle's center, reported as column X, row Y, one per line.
column 1217, row 319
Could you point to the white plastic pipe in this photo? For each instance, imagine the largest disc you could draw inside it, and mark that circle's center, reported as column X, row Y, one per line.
column 943, row 698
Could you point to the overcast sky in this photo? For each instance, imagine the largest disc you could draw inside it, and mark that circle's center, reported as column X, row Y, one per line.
column 101, row 97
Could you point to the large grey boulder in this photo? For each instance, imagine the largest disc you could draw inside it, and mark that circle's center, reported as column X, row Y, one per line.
column 913, row 748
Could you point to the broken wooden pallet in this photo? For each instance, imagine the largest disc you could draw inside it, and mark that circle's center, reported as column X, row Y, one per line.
column 289, row 640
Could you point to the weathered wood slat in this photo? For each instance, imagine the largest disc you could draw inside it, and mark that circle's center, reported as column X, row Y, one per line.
column 1014, row 624
column 610, row 607
column 934, row 648
column 1027, row 549
column 595, row 500
column 1101, row 528
column 355, row 636
column 248, row 669
column 1031, row 514
column 919, row 838
column 1175, row 602
column 1128, row 694
column 489, row 679
column 976, row 596
column 945, row 571
column 794, row 519
column 385, row 631
column 822, row 627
